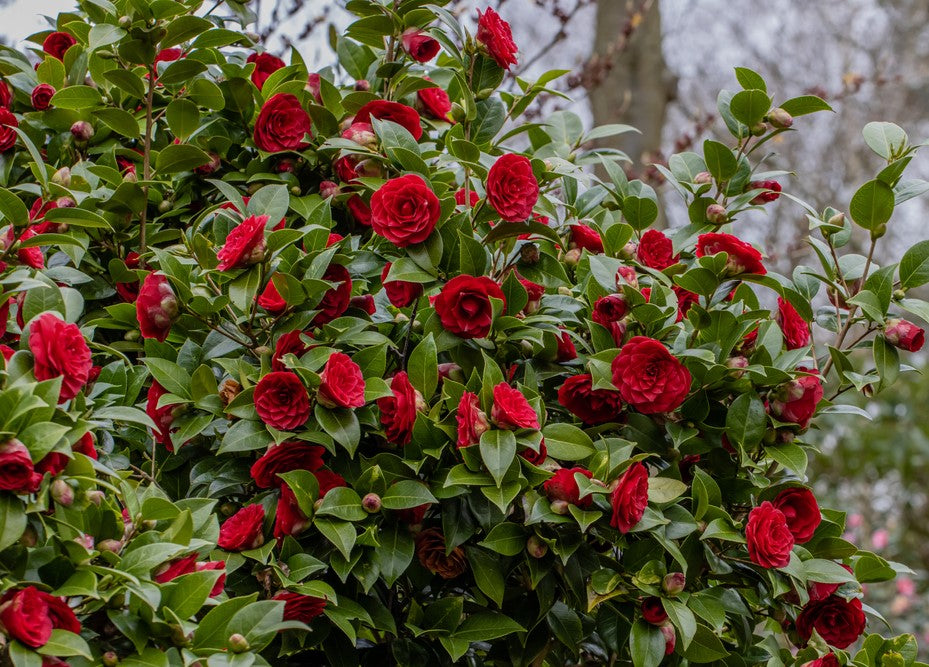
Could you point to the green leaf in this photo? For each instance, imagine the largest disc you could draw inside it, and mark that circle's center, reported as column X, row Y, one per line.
column 187, row 594
column 179, row 157
column 405, row 494
column 498, row 450
column 395, row 554
column 746, row 420
column 705, row 647
column 183, row 29
column 487, row 574
column 13, row 209
column 183, row 118
column 640, row 212
column 826, row 572
column 169, row 375
column 646, row 644
column 914, row 266
column 886, row 139
column 126, row 81
column 486, row 625
column 872, row 205
column 77, row 98
column 491, row 115
column 505, row 538
column 665, row 489
column 791, row 456
column 565, row 625
column 886, row 360
column 342, row 503
column 720, row 161
column 683, row 619
column 121, row 122
column 244, row 436
column 567, row 442
column 104, row 34
column 21, row 656
column 423, row 367
column 340, row 533
column 750, row 106
column 342, row 424
column 805, row 104
column 207, row 94
column 750, row 79
column 258, row 622
column 211, row 631
column 12, row 520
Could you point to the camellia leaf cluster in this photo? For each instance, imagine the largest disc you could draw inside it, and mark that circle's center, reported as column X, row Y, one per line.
column 354, row 366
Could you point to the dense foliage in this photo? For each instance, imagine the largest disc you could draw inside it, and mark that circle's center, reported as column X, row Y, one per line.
column 353, row 367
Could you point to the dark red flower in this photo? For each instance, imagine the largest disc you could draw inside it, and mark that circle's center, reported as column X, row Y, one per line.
column 419, row 45
column 495, row 34
column 800, row 510
column 57, row 44
column 287, row 456
column 342, row 384
column 7, row 134
column 765, row 197
column 245, row 245
column 398, row 412
column 796, row 330
column 302, row 608
column 655, row 250
column 243, row 530
column 838, row 621
column 649, row 377
column 586, row 238
column 591, row 406
column 512, row 188
column 282, row 401
column 156, row 307
column 511, row 410
column 742, row 258
column 265, row 65
column 42, row 96
column 563, row 486
column 464, row 306
column 282, row 124
column 59, row 350
column 629, row 498
column 769, row 539
column 401, row 114
column 653, row 611
column 405, row 210
column 336, row 299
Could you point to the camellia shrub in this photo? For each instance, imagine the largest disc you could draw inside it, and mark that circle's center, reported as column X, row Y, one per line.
column 351, row 366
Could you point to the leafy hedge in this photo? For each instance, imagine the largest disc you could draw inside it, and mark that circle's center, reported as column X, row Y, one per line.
column 353, row 366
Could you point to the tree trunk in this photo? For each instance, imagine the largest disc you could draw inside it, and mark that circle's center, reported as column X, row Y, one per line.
column 637, row 87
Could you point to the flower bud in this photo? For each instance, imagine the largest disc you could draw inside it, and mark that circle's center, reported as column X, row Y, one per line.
column 238, row 643
column 780, row 119
column 371, row 503
column 529, row 253
column 625, row 275
column 86, row 541
column 899, row 294
column 228, row 509
column 362, row 134
column 110, row 545
column 452, row 371
column 362, row 85
column 110, row 659
column 737, row 363
column 125, row 21
column 165, row 205
column 674, row 583
column 559, row 506
column 179, row 637
column 213, row 165
column 328, row 189
column 629, row 250
column 716, row 214
column 317, row 504
column 296, row 191
column 564, row 291
column 758, row 129
column 62, row 177
column 837, row 220
column 904, row 335
column 82, row 131
column 62, row 493
column 703, row 178
column 536, row 547
column 572, row 257
column 879, row 231
column 670, row 638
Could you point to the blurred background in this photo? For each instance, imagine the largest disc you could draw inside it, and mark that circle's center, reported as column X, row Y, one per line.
column 658, row 65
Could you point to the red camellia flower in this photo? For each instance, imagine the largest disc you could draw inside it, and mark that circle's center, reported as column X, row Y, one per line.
column 743, row 258
column 609, row 312
column 245, row 244
column 905, row 335
column 176, row 568
column 24, row 616
column 405, row 210
column 163, row 417
column 820, row 591
column 59, row 350
column 289, row 519
column 342, row 384
column 534, row 457
column 29, row 256
column 838, row 621
column 302, row 608
column 655, row 250
column 829, row 660
column 398, row 412
column 464, row 306
column 282, row 124
column 221, row 581
column 400, row 293
column 169, row 55
column 650, row 378
column 42, row 96
column 472, row 197
column 653, row 611
column 288, row 343
column 7, row 134
column 796, row 330
column 359, row 210
column 591, row 406
column 328, row 481
column 495, row 34
column 57, row 44
column 17, row 473
column 401, row 114
column 765, row 197
column 586, row 238
column 563, row 486
column 511, row 410
column 85, row 446
column 336, row 299
column 796, row 401
column 769, row 539
column 243, row 530
column 512, row 188
column 282, row 401
column 629, row 498
column 566, row 349
column 265, row 65
column 801, row 511
column 435, row 102
column 472, row 421
column 271, row 300
column 419, row 45
column 287, row 456
column 156, row 307
column 6, row 97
